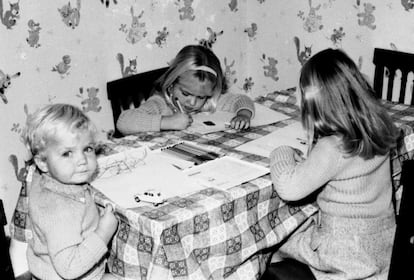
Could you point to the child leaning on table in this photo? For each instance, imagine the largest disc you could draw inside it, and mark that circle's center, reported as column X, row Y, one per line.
column 347, row 167
column 193, row 83
column 69, row 236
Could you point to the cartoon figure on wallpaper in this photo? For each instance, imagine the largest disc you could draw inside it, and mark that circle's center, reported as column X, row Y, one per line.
column 367, row 17
column 407, row 4
column 194, row 83
column 161, row 38
column 313, row 22
column 9, row 18
column 5, row 82
column 270, row 70
column 304, row 55
column 106, row 2
column 34, row 30
column 251, row 31
column 229, row 74
column 20, row 173
column 347, row 170
column 137, row 30
column 212, row 38
column 233, row 5
column 187, row 12
column 62, row 141
column 129, row 70
column 92, row 102
column 71, row 16
column 337, row 36
column 248, row 84
column 63, row 67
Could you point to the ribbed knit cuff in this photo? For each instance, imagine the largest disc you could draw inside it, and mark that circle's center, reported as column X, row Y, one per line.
column 95, row 245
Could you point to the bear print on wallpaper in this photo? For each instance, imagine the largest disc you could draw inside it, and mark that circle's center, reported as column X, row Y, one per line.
column 251, row 31
column 187, row 12
column 91, row 103
column 34, row 36
column 9, row 18
column 5, row 82
column 233, row 6
column 70, row 16
column 367, row 17
column 407, row 4
column 63, row 67
column 270, row 69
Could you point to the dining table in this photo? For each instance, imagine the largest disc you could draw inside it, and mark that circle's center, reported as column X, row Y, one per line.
column 212, row 233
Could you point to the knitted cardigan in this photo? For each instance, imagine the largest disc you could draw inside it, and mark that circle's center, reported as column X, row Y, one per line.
column 349, row 186
column 147, row 117
column 64, row 244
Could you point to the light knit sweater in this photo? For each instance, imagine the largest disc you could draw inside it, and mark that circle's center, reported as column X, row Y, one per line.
column 64, row 244
column 349, row 186
column 147, row 117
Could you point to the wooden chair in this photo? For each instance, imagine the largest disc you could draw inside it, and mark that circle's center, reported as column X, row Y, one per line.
column 403, row 249
column 131, row 91
column 6, row 269
column 387, row 63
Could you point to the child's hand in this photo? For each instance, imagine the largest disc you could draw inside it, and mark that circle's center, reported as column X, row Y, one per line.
column 298, row 155
column 240, row 122
column 107, row 224
column 178, row 121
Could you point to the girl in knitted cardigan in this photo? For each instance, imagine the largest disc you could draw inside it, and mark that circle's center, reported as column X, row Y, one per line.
column 193, row 83
column 348, row 169
column 70, row 237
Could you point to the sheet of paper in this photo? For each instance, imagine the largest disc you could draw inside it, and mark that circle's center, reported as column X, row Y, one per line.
column 226, row 172
column 125, row 174
column 204, row 123
column 292, row 135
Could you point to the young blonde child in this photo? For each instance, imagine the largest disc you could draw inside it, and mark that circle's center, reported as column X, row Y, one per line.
column 193, row 83
column 348, row 167
column 70, row 238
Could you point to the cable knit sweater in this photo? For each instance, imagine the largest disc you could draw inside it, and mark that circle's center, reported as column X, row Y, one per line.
column 64, row 244
column 147, row 117
column 351, row 186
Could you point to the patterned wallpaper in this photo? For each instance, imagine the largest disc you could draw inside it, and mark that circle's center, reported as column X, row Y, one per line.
column 66, row 50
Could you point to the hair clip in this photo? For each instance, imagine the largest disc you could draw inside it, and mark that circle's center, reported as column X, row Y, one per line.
column 204, row 68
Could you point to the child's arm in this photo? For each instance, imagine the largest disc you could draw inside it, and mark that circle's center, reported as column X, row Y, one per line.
column 294, row 179
column 240, row 104
column 107, row 225
column 147, row 117
column 72, row 253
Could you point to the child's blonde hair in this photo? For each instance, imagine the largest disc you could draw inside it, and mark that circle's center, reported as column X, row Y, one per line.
column 205, row 65
column 337, row 100
column 42, row 125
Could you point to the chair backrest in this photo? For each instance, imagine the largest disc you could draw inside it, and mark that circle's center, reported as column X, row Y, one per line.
column 403, row 249
column 130, row 91
column 6, row 269
column 387, row 63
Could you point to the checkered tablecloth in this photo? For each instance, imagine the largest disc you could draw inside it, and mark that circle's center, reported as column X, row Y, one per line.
column 211, row 234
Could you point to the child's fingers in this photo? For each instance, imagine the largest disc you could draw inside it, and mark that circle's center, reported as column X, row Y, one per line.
column 108, row 208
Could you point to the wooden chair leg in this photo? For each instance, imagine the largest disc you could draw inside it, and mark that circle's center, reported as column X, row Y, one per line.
column 288, row 269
